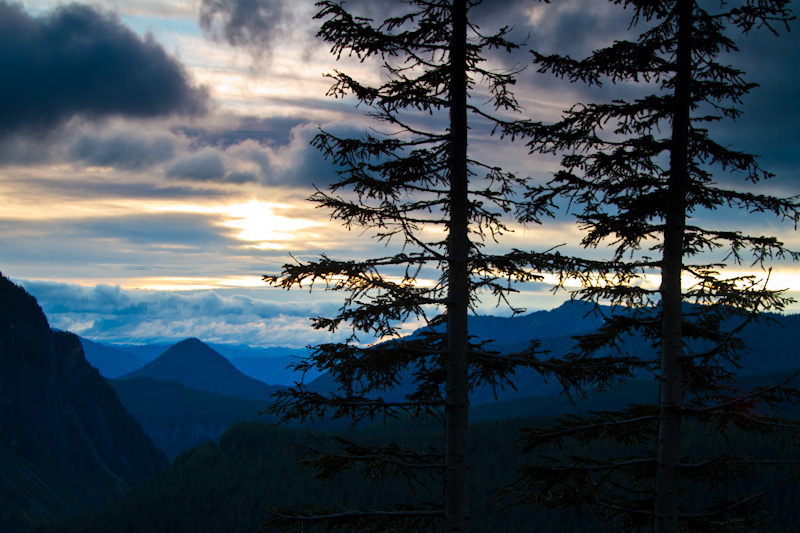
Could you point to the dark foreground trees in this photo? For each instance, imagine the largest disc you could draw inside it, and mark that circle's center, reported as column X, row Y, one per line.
column 642, row 175
column 416, row 187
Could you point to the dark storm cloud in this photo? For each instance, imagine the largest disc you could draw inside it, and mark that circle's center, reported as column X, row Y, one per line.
column 123, row 150
column 78, row 61
column 768, row 125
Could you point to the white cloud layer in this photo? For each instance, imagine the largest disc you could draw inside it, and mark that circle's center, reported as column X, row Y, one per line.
column 112, row 314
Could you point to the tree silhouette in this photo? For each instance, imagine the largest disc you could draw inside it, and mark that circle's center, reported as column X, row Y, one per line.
column 638, row 172
column 419, row 189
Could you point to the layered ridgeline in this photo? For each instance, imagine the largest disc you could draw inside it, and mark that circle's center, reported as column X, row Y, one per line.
column 110, row 361
column 66, row 442
column 226, row 369
column 179, row 403
column 771, row 348
column 190, row 394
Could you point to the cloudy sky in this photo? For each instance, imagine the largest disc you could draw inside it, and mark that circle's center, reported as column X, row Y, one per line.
column 155, row 158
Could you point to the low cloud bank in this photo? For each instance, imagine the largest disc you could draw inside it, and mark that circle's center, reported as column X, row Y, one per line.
column 108, row 313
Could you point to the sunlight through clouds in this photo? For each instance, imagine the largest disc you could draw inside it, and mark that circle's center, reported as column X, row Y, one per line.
column 259, row 223
column 256, row 221
column 210, row 201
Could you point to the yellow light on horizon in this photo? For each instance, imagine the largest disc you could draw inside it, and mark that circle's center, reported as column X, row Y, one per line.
column 778, row 279
column 256, row 221
column 192, row 283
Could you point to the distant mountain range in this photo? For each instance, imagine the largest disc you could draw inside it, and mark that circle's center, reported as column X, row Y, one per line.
column 275, row 370
column 191, row 373
column 145, row 352
column 772, row 349
column 110, row 361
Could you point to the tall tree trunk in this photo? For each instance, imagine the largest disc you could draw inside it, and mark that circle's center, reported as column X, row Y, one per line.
column 667, row 489
column 457, row 402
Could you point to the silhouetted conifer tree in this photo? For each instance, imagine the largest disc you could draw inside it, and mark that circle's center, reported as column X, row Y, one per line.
column 418, row 187
column 637, row 172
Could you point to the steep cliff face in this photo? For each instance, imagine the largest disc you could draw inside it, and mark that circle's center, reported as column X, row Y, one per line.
column 66, row 442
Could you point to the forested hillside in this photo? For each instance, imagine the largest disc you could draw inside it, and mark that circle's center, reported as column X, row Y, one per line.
column 219, row 488
column 66, row 442
column 177, row 418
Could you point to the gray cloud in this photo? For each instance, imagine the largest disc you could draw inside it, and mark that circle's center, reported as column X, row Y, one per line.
column 377, row 10
column 272, row 131
column 241, row 177
column 124, row 150
column 79, row 61
column 296, row 163
column 257, row 25
column 76, row 186
column 167, row 245
column 187, row 230
column 293, row 164
column 254, row 24
column 206, row 165
column 574, row 27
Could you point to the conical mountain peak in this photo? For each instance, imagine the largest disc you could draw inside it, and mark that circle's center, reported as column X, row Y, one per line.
column 197, row 365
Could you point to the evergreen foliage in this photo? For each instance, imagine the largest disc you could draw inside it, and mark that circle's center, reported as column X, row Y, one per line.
column 639, row 173
column 229, row 486
column 418, row 189
column 178, row 418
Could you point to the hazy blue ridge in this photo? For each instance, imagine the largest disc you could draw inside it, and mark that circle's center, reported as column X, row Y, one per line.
column 234, row 351
column 276, row 370
column 198, row 366
column 771, row 348
column 174, row 416
column 146, row 352
column 111, row 362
